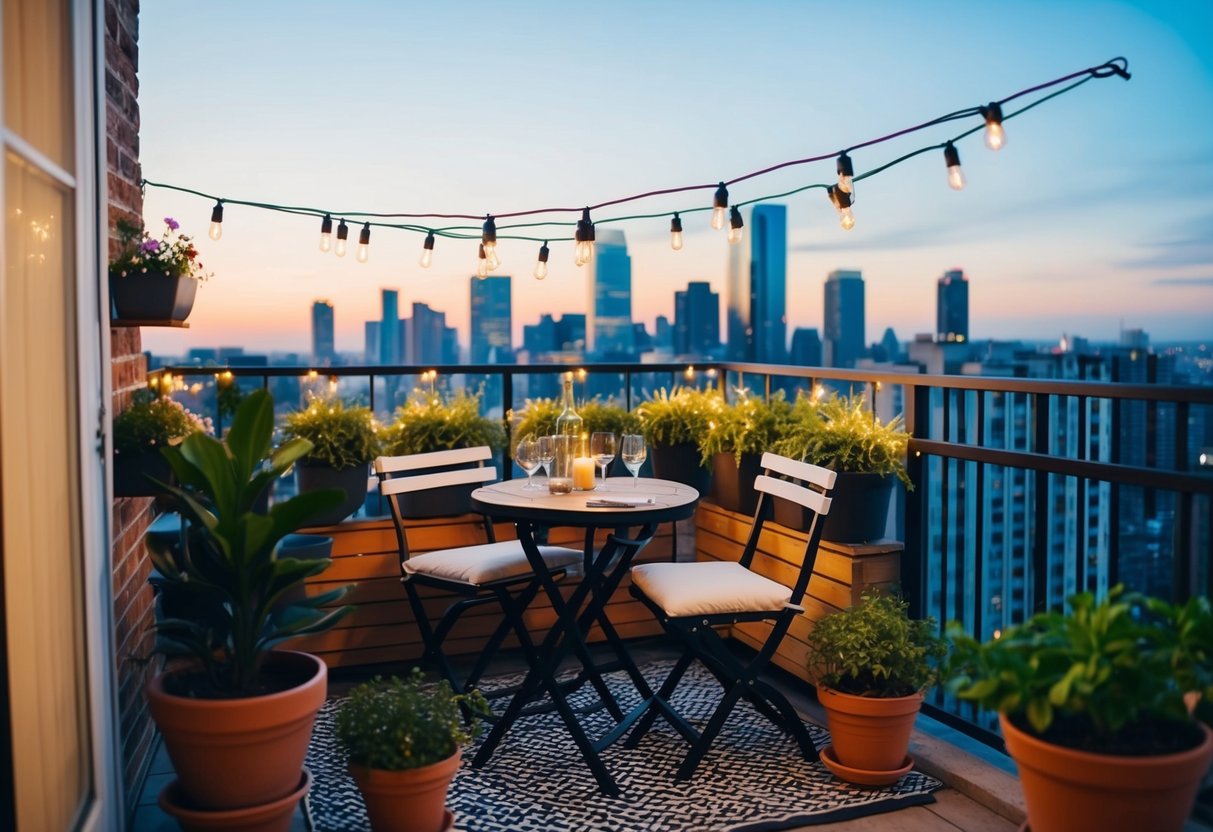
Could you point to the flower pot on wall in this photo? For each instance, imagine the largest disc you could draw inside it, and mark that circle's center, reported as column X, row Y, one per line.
column 318, row 476
column 152, row 297
column 680, row 463
column 131, row 472
column 733, row 483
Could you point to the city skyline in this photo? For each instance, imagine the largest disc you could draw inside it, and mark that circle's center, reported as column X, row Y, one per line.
column 1054, row 228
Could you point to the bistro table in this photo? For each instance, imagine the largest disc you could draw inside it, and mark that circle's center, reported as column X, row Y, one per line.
column 633, row 522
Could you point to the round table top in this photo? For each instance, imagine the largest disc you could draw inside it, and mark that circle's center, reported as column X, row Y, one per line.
column 646, row 501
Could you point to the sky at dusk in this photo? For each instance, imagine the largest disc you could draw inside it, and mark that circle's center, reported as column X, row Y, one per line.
column 1098, row 211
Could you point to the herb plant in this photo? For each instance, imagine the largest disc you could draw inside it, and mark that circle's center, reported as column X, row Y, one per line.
column 401, row 724
column 682, row 415
column 875, row 649
column 1112, row 676
column 841, row 433
column 750, row 425
column 342, row 436
column 173, row 255
column 153, row 422
column 428, row 422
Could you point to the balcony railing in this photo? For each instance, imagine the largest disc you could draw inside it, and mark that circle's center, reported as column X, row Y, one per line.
column 1025, row 491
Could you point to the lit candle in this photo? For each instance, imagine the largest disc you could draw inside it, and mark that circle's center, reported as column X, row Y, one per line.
column 583, row 474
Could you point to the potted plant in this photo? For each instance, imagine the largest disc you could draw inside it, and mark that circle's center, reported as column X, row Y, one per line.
column 154, row 280
column 1097, row 708
column 735, row 440
column 403, row 740
column 842, row 434
column 672, row 424
column 344, row 443
column 431, row 422
column 150, row 423
column 871, row 663
column 236, row 715
column 538, row 418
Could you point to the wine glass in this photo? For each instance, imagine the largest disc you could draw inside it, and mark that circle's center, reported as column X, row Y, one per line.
column 527, row 457
column 602, row 449
column 633, row 454
column 547, row 452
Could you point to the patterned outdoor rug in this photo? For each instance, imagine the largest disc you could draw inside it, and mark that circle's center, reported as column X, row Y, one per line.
column 753, row 779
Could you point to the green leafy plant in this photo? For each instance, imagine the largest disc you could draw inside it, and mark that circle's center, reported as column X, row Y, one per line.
column 841, row 433
column 428, row 422
column 173, row 255
column 749, row 425
column 342, row 436
column 875, row 649
column 682, row 415
column 538, row 418
column 402, row 724
column 153, row 422
column 227, row 564
column 1112, row 676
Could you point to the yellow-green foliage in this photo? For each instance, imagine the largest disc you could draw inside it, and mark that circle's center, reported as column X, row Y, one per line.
column 342, row 436
column 841, row 433
column 539, row 418
column 682, row 415
column 427, row 422
column 749, row 425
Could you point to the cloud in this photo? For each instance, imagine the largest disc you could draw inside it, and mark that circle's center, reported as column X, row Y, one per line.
column 1182, row 281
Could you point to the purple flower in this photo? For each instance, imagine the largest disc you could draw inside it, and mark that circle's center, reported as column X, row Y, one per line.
column 149, row 246
column 172, row 223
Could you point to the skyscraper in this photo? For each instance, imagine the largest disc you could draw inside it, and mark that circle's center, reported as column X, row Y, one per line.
column 427, row 330
column 491, row 339
column 371, row 344
column 390, row 351
column 845, row 339
column 952, row 307
column 322, row 332
column 697, row 320
column 806, row 347
column 757, row 289
column 609, row 331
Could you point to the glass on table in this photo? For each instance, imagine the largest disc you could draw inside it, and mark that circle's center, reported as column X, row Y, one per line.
column 547, row 452
column 527, row 457
column 633, row 453
column 602, row 450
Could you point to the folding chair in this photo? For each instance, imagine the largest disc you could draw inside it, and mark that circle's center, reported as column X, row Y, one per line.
column 691, row 600
column 487, row 573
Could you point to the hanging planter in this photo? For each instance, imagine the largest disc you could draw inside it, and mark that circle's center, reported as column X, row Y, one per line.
column 153, row 296
column 153, row 282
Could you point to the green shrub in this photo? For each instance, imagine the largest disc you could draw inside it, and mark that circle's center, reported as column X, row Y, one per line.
column 428, row 423
column 152, row 422
column 682, row 415
column 397, row 724
column 749, row 425
column 842, row 434
column 875, row 649
column 539, row 418
column 342, row 436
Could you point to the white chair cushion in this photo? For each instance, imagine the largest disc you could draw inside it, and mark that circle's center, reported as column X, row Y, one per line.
column 708, row 588
column 476, row 565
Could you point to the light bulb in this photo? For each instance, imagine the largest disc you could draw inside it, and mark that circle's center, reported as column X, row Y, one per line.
column 343, row 233
column 583, row 252
column 427, row 251
column 676, row 233
column 841, row 201
column 735, row 225
column 951, row 158
column 490, row 256
column 364, row 243
column 719, row 203
column 846, row 218
column 326, row 233
column 482, row 264
column 996, row 138
column 541, row 265
column 845, row 173
column 216, row 230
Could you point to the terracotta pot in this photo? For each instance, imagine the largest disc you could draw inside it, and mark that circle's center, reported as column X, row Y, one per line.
column 870, row 733
column 318, row 476
column 275, row 816
column 733, row 484
column 413, row 799
column 236, row 753
column 152, row 297
column 1080, row 791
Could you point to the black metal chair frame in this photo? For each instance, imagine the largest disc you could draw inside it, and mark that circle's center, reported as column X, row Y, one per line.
column 700, row 639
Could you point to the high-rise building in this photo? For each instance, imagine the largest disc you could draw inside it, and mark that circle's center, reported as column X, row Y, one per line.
column 739, row 335
column 768, row 282
column 491, row 321
column 952, row 307
column 609, row 332
column 845, row 339
column 663, row 337
column 697, row 321
column 390, row 341
column 323, row 350
column 371, row 343
column 806, row 347
column 427, row 331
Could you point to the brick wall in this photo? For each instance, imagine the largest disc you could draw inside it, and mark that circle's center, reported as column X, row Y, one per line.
column 130, row 517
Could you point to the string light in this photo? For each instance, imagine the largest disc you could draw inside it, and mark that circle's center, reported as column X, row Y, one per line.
column 846, row 173
column 541, row 265
column 735, row 225
column 216, row 230
column 364, row 243
column 996, row 138
column 584, row 250
column 676, row 232
column 427, row 251
column 326, row 233
column 951, row 158
column 482, row 264
column 842, row 202
column 719, row 203
column 488, row 238
column 343, row 234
